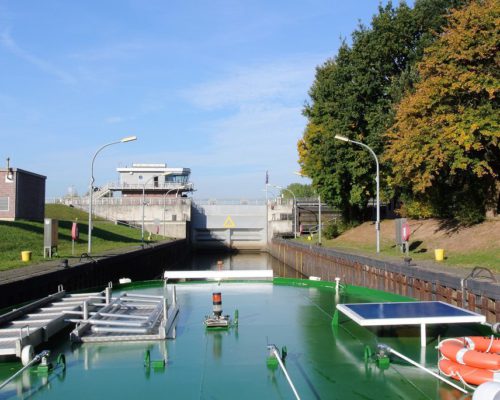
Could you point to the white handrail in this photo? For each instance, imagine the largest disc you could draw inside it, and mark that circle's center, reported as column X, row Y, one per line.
column 423, row 368
column 222, row 274
column 278, row 357
column 36, row 359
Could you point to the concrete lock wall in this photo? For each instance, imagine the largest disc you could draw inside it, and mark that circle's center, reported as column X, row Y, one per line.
column 136, row 264
column 240, row 226
column 280, row 219
column 408, row 280
column 168, row 218
column 236, row 226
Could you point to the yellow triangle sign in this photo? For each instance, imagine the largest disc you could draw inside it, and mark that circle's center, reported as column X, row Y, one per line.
column 229, row 223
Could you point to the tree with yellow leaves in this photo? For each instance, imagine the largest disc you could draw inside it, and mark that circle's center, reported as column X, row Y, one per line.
column 353, row 95
column 444, row 146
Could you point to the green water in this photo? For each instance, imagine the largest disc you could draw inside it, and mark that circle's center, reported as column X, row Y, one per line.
column 323, row 362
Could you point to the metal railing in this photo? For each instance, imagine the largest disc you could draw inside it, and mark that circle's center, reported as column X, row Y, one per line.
column 123, row 201
column 101, row 191
column 151, row 186
column 226, row 202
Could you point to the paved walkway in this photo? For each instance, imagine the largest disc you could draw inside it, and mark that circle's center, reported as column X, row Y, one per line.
column 457, row 270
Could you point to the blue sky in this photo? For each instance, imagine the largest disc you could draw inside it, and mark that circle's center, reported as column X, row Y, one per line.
column 215, row 86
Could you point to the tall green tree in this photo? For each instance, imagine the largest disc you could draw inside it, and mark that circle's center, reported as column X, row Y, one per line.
column 299, row 190
column 445, row 144
column 353, row 95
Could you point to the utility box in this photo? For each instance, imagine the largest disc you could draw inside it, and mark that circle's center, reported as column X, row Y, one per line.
column 400, row 222
column 50, row 236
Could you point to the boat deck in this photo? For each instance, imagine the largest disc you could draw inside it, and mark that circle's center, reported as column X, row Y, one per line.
column 37, row 322
column 128, row 317
column 98, row 317
column 323, row 361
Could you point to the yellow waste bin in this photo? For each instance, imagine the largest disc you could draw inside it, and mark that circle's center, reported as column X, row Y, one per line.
column 439, row 253
column 26, row 256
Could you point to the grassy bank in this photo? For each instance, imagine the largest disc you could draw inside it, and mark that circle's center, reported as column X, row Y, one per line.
column 478, row 245
column 22, row 235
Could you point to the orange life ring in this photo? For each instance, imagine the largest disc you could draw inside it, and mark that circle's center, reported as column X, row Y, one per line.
column 481, row 343
column 474, row 376
column 454, row 350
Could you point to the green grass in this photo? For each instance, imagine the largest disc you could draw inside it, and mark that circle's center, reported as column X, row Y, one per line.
column 23, row 235
column 488, row 258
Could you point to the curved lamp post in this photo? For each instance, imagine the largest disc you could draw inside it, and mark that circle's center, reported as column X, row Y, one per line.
column 91, row 187
column 294, row 208
column 377, row 180
column 144, row 200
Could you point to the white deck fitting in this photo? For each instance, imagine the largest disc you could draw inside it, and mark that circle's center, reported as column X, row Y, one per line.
column 36, row 322
column 222, row 274
column 409, row 313
column 129, row 317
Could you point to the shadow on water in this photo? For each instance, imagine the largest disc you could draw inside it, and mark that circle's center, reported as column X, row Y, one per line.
column 233, row 260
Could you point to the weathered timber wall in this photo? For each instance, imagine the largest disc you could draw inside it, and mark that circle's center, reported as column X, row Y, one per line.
column 420, row 283
column 138, row 264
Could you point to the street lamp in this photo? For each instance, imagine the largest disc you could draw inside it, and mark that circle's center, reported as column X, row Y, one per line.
column 91, row 187
column 294, row 208
column 144, row 200
column 377, row 180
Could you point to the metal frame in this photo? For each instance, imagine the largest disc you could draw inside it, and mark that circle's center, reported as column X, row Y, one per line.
column 38, row 321
column 129, row 317
column 223, row 274
column 422, row 321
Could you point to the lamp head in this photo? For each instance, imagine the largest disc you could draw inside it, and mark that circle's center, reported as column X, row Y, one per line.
column 343, row 138
column 128, row 139
column 299, row 173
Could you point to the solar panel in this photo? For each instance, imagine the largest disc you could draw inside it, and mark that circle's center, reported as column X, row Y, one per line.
column 409, row 313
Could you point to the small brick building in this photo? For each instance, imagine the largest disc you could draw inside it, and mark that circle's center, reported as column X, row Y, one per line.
column 22, row 194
